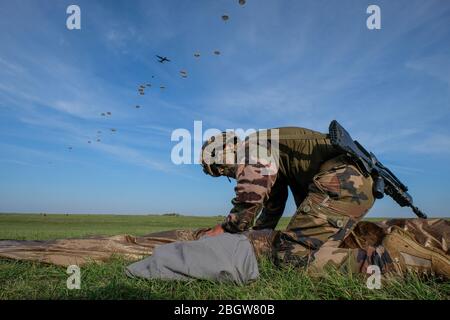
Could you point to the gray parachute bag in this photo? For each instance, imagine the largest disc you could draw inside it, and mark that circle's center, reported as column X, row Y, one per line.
column 227, row 257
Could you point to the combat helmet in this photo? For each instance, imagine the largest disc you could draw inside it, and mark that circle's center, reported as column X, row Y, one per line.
column 219, row 154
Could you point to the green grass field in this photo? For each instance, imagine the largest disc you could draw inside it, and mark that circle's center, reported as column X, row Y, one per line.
column 25, row 280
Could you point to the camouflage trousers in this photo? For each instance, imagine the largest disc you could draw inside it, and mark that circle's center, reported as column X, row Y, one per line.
column 339, row 196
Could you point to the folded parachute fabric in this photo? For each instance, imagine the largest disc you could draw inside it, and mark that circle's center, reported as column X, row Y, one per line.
column 227, row 257
column 65, row 252
column 431, row 233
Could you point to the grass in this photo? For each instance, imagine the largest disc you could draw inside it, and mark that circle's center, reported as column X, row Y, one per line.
column 54, row 226
column 27, row 280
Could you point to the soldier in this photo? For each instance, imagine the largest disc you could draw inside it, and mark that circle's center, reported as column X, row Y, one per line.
column 330, row 192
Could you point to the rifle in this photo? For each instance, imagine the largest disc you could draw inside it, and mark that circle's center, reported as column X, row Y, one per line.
column 385, row 182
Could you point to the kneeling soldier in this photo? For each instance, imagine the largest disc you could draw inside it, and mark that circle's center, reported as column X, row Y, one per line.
column 330, row 191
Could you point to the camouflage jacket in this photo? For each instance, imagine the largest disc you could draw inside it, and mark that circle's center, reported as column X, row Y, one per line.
column 297, row 154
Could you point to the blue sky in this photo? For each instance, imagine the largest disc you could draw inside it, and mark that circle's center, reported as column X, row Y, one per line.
column 282, row 63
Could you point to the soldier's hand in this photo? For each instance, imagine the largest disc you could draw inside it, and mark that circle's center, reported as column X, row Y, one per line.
column 215, row 231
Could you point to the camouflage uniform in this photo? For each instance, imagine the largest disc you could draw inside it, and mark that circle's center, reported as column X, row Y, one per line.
column 339, row 196
column 331, row 195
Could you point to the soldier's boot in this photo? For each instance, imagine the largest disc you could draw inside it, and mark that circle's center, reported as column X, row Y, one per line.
column 263, row 242
column 409, row 256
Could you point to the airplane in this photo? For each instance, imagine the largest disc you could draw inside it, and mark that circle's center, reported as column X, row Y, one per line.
column 162, row 59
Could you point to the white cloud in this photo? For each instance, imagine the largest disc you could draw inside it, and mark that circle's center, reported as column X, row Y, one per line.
column 437, row 66
column 434, row 144
column 132, row 156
